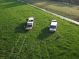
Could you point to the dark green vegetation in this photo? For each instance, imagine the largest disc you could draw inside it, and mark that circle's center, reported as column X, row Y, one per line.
column 39, row 43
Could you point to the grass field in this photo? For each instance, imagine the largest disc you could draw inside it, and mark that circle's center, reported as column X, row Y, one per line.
column 39, row 43
column 70, row 11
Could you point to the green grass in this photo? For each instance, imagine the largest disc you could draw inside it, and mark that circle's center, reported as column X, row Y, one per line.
column 39, row 43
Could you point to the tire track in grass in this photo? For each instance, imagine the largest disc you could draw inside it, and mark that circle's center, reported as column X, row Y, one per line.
column 42, row 46
column 47, row 50
column 37, row 50
column 39, row 42
column 12, row 50
column 51, row 56
column 20, row 48
column 40, row 51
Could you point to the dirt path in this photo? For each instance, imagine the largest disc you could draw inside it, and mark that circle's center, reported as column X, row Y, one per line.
column 62, row 17
column 61, row 9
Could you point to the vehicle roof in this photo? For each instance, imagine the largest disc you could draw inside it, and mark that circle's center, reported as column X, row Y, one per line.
column 53, row 20
column 29, row 22
column 30, row 18
column 54, row 23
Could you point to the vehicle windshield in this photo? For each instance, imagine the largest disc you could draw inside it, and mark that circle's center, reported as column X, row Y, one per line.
column 29, row 25
column 53, row 27
column 30, row 20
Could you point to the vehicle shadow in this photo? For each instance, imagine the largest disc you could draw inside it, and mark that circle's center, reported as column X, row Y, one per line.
column 20, row 28
column 45, row 33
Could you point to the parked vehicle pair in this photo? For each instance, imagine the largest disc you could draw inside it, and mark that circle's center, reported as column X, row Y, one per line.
column 30, row 22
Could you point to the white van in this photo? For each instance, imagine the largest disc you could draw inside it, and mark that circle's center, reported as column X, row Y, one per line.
column 53, row 26
column 29, row 24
